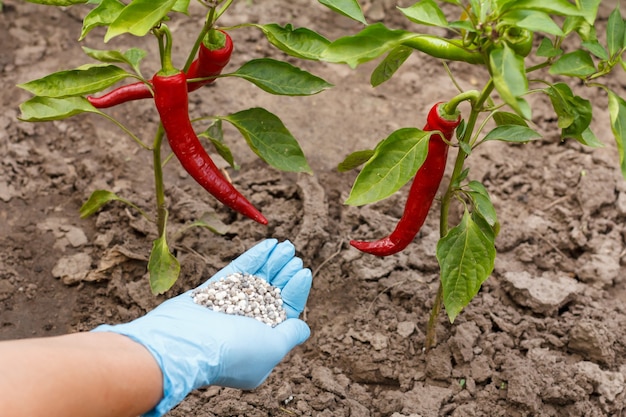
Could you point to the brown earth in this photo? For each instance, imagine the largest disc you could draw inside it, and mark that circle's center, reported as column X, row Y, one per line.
column 544, row 337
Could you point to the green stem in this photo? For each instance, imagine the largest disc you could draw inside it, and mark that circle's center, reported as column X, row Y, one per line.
column 165, row 48
column 208, row 24
column 451, row 106
column 477, row 101
column 224, row 7
column 126, row 130
column 158, row 180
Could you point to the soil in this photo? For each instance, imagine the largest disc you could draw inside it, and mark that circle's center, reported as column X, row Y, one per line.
column 544, row 337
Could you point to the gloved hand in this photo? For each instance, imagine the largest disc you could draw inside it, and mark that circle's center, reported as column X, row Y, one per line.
column 195, row 346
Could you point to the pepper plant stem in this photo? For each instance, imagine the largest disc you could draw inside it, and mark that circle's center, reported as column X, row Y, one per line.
column 158, row 180
column 477, row 101
column 208, row 23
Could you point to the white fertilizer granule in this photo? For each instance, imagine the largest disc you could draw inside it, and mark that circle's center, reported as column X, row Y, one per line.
column 243, row 295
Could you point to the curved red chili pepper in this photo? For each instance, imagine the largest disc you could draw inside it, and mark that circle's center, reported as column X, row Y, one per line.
column 209, row 63
column 171, row 100
column 423, row 190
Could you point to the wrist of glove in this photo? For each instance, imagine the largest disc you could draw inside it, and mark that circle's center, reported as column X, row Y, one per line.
column 195, row 346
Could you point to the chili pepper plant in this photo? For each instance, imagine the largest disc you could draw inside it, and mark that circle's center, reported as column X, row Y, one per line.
column 527, row 47
column 103, row 83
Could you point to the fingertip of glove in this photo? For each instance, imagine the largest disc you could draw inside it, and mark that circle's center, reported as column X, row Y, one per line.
column 296, row 330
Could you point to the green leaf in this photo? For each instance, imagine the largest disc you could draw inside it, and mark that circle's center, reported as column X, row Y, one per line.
column 558, row 7
column 546, row 49
column 208, row 220
column 615, row 32
column 595, row 48
column 512, row 133
column 574, row 64
column 163, row 267
column 466, row 257
column 139, row 17
column 181, row 6
column 482, row 202
column 355, row 160
column 574, row 112
column 388, row 66
column 300, row 43
column 58, row 2
column 588, row 138
column 216, row 135
column 395, row 161
column 368, row 44
column 132, row 56
column 268, row 137
column 76, row 82
column 589, row 9
column 348, row 8
column 509, row 77
column 43, row 109
column 102, row 15
column 281, row 78
column 534, row 21
column 505, row 118
column 98, row 199
column 617, row 113
column 425, row 12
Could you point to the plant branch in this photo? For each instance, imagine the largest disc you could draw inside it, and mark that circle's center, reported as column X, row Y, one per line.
column 477, row 101
column 158, row 180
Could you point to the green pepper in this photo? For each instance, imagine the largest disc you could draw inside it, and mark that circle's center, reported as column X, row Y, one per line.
column 519, row 40
column 448, row 49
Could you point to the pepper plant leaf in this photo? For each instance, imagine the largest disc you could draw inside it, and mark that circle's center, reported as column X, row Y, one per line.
column 355, row 160
column 139, row 17
column 368, row 44
column 425, row 12
column 533, row 20
column 215, row 134
column 163, row 267
column 546, row 49
column 482, row 202
column 132, row 56
column 280, row 78
column 509, row 77
column 574, row 64
column 466, row 256
column 615, row 32
column 102, row 15
column 77, row 82
column 98, row 199
column 181, row 6
column 574, row 112
column 617, row 113
column 268, row 137
column 395, row 161
column 208, row 220
column 503, row 118
column 43, row 109
column 388, row 66
column 512, row 133
column 348, row 8
column 596, row 49
column 558, row 7
column 301, row 42
column 58, row 2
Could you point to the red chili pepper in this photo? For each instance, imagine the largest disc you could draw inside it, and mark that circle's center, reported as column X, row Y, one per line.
column 171, row 100
column 209, row 63
column 423, row 190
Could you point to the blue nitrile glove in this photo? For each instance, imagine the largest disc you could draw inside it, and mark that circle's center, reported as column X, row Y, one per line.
column 195, row 346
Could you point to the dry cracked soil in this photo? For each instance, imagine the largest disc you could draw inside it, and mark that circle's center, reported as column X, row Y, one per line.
column 545, row 336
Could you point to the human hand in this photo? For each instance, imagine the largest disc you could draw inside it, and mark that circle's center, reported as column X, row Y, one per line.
column 195, row 346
